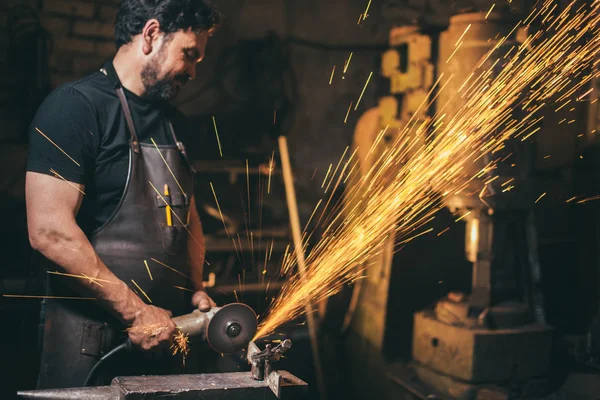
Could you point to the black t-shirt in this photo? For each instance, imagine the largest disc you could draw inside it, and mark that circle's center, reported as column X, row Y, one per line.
column 85, row 119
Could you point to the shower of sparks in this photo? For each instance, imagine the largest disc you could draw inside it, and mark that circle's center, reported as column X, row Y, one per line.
column 311, row 216
column 585, row 94
column 271, row 167
column 347, row 64
column 363, row 91
column 507, row 182
column 172, row 269
column 60, row 176
column 326, row 175
column 181, row 344
column 182, row 288
column 219, row 208
column 348, row 112
column 47, row 297
column 168, row 167
column 337, row 167
column 217, row 133
column 148, row 269
column 539, row 198
column 57, row 146
column 462, row 36
column 141, row 290
column 82, row 276
column 92, row 280
column 490, row 11
column 458, row 219
column 409, row 180
column 177, row 216
column 366, row 13
column 582, row 201
column 444, row 231
column 332, row 73
column 413, row 237
column 454, row 52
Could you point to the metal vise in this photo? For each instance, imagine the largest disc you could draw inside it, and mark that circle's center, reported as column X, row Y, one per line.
column 261, row 368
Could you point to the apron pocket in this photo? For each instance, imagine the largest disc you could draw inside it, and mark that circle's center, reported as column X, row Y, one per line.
column 92, row 339
column 174, row 239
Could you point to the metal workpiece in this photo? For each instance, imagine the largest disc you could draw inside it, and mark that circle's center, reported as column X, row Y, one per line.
column 260, row 360
column 87, row 393
column 261, row 367
column 236, row 385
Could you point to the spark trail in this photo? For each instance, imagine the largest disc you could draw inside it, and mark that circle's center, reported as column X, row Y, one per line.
column 408, row 182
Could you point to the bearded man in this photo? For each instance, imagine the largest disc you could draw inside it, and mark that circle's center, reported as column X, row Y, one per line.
column 110, row 199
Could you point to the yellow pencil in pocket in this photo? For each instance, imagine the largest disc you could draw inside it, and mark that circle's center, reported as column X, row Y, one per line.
column 168, row 208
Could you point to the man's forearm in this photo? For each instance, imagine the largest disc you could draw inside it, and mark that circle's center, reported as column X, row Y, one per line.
column 70, row 249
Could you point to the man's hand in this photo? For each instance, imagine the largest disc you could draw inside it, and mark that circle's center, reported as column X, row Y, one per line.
column 151, row 328
column 202, row 301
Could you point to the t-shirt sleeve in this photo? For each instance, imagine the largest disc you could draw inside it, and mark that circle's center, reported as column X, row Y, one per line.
column 63, row 136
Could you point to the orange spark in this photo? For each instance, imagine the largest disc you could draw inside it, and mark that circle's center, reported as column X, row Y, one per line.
column 168, row 167
column 60, row 176
column 217, row 134
column 363, row 91
column 48, row 297
column 148, row 269
column 539, row 198
column 141, row 290
column 57, row 146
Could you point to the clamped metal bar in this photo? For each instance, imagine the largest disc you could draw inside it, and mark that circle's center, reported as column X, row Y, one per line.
column 261, row 368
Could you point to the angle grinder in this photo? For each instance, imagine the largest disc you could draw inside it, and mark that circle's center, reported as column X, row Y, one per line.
column 227, row 330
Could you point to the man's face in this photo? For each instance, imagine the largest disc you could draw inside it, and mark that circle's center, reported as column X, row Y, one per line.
column 173, row 64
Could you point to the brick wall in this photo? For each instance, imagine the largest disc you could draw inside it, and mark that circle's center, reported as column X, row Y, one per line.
column 82, row 33
column 79, row 35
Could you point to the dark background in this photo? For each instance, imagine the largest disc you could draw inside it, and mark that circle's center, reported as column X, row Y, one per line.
column 266, row 73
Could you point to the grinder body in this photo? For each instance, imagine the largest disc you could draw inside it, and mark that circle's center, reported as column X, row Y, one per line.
column 227, row 329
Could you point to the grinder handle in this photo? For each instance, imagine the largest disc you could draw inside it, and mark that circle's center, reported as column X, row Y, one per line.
column 129, row 345
column 192, row 324
column 196, row 322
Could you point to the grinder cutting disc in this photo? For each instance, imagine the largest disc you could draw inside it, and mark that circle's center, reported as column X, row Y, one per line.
column 231, row 328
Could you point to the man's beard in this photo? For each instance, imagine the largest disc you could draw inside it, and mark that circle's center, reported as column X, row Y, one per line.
column 160, row 89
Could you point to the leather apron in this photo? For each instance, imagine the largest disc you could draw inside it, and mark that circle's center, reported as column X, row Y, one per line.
column 76, row 333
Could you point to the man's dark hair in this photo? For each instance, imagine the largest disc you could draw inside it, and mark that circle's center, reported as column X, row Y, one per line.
column 173, row 16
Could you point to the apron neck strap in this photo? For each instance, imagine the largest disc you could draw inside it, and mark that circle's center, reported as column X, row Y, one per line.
column 111, row 74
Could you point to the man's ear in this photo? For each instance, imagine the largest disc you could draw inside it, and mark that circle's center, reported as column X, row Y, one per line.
column 151, row 35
